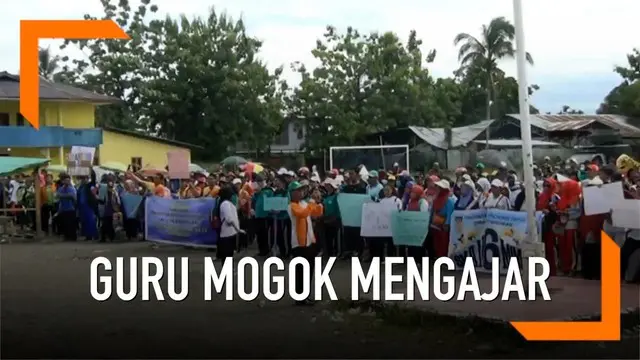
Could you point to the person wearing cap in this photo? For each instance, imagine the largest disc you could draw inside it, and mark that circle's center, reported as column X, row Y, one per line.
column 236, row 185
column 443, row 205
column 354, row 244
column 331, row 217
column 468, row 199
column 496, row 198
column 374, row 188
column 303, row 172
column 282, row 221
column 263, row 223
column 302, row 234
column 396, row 168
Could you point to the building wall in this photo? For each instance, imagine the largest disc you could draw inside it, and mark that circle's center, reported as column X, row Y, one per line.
column 67, row 114
column 121, row 148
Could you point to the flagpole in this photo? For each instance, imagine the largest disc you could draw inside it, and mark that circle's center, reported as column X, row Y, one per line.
column 532, row 245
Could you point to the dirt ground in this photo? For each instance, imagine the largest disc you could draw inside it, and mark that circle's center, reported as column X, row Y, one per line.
column 47, row 312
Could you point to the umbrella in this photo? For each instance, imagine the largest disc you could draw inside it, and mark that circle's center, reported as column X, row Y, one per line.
column 152, row 172
column 114, row 166
column 56, row 169
column 494, row 159
column 233, row 161
column 252, row 167
column 195, row 168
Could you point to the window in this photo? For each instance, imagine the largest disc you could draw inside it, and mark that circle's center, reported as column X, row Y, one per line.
column 136, row 163
column 283, row 137
column 19, row 119
column 4, row 119
column 300, row 134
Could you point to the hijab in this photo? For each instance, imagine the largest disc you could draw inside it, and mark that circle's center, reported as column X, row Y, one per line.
column 547, row 194
column 569, row 194
column 467, row 194
column 414, row 204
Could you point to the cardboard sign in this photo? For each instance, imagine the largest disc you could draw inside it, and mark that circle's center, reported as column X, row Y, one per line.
column 80, row 161
column 178, row 161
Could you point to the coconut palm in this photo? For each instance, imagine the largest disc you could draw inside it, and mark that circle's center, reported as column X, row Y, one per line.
column 496, row 43
column 48, row 63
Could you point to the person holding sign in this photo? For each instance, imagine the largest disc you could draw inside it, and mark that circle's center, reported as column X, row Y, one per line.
column 442, row 208
column 302, row 235
column 377, row 245
column 331, row 217
column 416, row 202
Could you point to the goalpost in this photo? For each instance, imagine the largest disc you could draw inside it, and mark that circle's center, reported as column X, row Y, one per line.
column 374, row 157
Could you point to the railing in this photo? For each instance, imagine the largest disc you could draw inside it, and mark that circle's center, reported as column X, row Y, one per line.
column 48, row 136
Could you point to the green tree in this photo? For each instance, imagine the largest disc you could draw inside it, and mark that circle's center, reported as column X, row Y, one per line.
column 208, row 87
column 114, row 67
column 365, row 84
column 495, row 43
column 48, row 63
column 624, row 99
column 194, row 80
column 567, row 110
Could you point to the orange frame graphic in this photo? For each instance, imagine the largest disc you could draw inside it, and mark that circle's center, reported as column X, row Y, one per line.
column 31, row 31
column 608, row 328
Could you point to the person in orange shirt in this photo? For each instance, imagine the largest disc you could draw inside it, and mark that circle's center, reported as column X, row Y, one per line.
column 156, row 187
column 189, row 190
column 302, row 235
column 211, row 189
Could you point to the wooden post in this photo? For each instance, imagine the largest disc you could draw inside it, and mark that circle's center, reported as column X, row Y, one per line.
column 38, row 190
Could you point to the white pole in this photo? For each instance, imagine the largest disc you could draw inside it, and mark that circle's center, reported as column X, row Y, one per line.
column 532, row 246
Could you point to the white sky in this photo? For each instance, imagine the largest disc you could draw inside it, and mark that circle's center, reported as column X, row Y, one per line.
column 575, row 43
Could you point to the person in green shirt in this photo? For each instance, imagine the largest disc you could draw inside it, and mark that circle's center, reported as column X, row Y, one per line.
column 282, row 221
column 331, row 218
column 263, row 220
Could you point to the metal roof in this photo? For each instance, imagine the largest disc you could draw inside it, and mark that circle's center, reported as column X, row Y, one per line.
column 10, row 90
column 567, row 122
column 460, row 136
column 515, row 142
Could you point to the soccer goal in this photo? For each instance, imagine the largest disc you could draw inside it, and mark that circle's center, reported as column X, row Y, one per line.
column 374, row 157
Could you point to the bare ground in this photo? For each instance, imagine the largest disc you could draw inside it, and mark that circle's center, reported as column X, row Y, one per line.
column 47, row 312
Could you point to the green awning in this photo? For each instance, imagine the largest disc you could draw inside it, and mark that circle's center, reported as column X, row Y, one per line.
column 10, row 164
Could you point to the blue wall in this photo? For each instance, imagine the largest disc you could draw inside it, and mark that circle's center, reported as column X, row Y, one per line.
column 48, row 136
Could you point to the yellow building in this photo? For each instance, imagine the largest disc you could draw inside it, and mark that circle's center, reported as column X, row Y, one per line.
column 67, row 118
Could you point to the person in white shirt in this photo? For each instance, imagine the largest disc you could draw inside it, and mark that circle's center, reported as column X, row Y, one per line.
column 496, row 200
column 377, row 245
column 229, row 224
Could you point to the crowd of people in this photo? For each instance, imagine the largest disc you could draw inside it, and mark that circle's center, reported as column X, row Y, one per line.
column 311, row 226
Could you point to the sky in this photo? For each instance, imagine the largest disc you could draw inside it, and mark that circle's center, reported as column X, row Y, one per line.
column 575, row 43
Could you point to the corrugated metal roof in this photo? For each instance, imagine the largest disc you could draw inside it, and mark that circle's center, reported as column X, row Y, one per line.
column 515, row 142
column 10, row 89
column 460, row 136
column 569, row 122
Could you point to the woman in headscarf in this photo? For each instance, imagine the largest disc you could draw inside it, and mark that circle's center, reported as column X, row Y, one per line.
column 496, row 199
column 566, row 228
column 468, row 199
column 416, row 202
column 484, row 187
column 443, row 206
column 546, row 203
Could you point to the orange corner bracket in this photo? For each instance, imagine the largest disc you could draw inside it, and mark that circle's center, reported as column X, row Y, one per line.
column 607, row 329
column 33, row 30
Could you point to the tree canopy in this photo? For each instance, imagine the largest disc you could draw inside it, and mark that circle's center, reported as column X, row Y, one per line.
column 624, row 99
column 201, row 80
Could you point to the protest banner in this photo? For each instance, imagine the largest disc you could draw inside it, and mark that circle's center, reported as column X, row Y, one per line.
column 376, row 219
column 178, row 163
column 180, row 222
column 601, row 199
column 276, row 203
column 80, row 161
column 484, row 234
column 131, row 204
column 351, row 208
column 409, row 228
column 626, row 214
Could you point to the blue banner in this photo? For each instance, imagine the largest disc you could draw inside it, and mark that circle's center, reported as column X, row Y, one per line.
column 131, row 204
column 180, row 222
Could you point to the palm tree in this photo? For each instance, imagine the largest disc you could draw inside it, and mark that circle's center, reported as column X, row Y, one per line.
column 496, row 43
column 48, row 63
